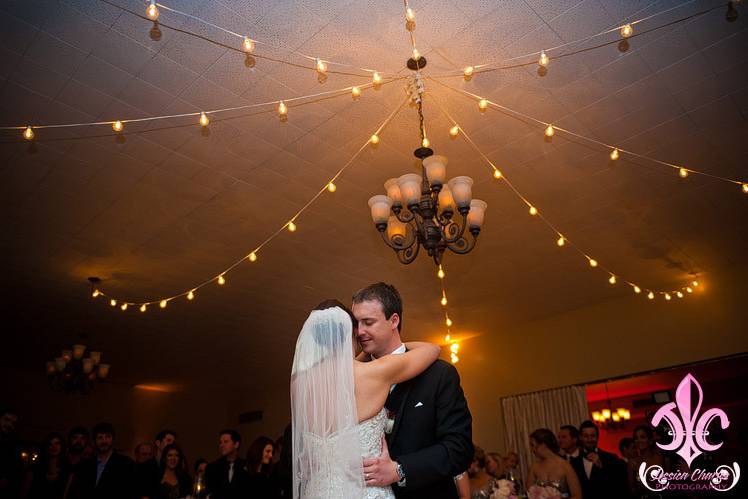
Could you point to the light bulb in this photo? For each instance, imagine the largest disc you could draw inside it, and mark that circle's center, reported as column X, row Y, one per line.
column 745, row 186
column 667, row 296
column 651, row 295
column 376, row 78
column 95, row 293
column 374, row 139
column 679, row 294
column 152, row 11
column 496, row 173
column 117, row 126
column 191, row 295
column 637, row 289
column 425, row 142
column 249, row 45
column 455, row 359
column 448, row 322
column 444, row 301
column 533, row 211
column 204, row 119
column 593, row 262
column 253, row 257
column 355, row 92
column 448, row 337
column 440, row 274
column 549, row 131
column 614, row 155
column 683, row 173
column 612, row 279
column 416, row 54
column 28, row 134
column 410, row 14
column 695, row 283
column 282, row 109
column 113, row 302
column 454, row 347
column 291, row 227
column 332, row 187
column 221, row 280
column 561, row 241
column 468, row 71
column 543, row 61
column 124, row 307
column 689, row 290
column 627, row 30
column 454, row 131
column 162, row 304
column 483, row 104
column 321, row 66
column 143, row 307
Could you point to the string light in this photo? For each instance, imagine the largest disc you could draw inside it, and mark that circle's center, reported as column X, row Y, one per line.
column 560, row 241
column 204, row 121
column 683, row 173
column 221, row 280
column 28, row 133
column 448, row 337
column 689, row 289
column 321, row 66
column 454, row 131
column 745, row 186
column 593, row 262
column 123, row 307
column 95, row 293
column 695, row 283
column 627, row 30
column 448, row 322
column 152, row 11
column 651, row 295
column 410, row 14
column 614, row 155
column 376, row 78
column 282, row 109
column 191, row 295
column 496, row 173
column 543, row 61
column 291, row 227
column 440, row 274
column 612, row 279
column 117, row 126
column 444, row 299
column 253, row 257
column 356, row 92
column 483, row 104
column 416, row 54
column 163, row 303
column 425, row 142
column 533, row 211
column 637, row 289
column 143, row 307
column 374, row 139
column 113, row 302
column 549, row 132
column 248, row 44
column 667, row 296
column 332, row 187
column 468, row 71
column 679, row 294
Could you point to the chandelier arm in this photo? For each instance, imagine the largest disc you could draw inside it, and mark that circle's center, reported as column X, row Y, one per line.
column 456, row 237
column 405, row 218
column 462, row 246
column 409, row 254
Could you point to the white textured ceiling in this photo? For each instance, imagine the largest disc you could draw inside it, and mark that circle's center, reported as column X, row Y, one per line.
column 169, row 205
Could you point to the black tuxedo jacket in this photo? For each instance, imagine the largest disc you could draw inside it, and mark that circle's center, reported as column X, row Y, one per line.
column 217, row 479
column 608, row 482
column 117, row 480
column 432, row 434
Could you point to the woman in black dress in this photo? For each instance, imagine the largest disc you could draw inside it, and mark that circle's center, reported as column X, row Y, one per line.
column 47, row 478
column 174, row 481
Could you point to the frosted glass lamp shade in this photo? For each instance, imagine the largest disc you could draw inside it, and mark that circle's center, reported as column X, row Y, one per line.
column 393, row 191
column 380, row 208
column 462, row 193
column 410, row 188
column 477, row 214
column 436, row 169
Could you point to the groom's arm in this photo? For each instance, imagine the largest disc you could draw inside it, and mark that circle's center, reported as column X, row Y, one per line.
column 454, row 451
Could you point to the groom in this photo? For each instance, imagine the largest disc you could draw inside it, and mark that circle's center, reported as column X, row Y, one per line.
column 431, row 437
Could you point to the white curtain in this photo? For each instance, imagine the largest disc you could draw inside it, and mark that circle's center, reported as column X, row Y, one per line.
column 550, row 409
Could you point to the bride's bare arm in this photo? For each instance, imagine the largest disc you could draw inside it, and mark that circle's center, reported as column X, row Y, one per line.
column 392, row 369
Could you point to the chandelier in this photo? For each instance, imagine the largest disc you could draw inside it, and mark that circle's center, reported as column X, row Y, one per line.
column 424, row 210
column 71, row 372
column 610, row 419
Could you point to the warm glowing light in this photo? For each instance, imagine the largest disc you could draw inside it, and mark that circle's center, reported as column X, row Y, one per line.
column 454, row 358
column 410, row 14
column 616, row 417
column 374, row 139
column 332, row 187
column 689, row 290
column 143, row 307
column 249, row 44
column 253, row 257
column 627, row 30
column 593, row 262
column 291, row 227
column 152, row 11
column 425, row 142
column 483, row 104
column 356, row 92
column 416, row 54
column 614, row 155
column 468, row 71
column 549, row 131
column 444, row 301
column 282, row 109
column 448, row 337
column 683, row 173
column 695, row 283
column 448, row 322
column 162, row 304
column 191, row 295
column 440, row 274
column 533, row 211
column 543, row 61
column 667, row 296
column 745, row 186
column 321, row 66
column 606, row 414
column 221, row 280
column 95, row 293
column 561, row 241
column 637, row 289
column 496, row 173
column 454, row 347
column 651, row 295
column 597, row 417
column 454, row 131
column 124, row 307
column 113, row 302
column 117, row 126
column 612, row 279
column 376, row 78
column 28, row 134
column 204, row 119
column 679, row 294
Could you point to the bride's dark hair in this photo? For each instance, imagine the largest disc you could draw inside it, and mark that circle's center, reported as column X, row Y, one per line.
column 332, row 303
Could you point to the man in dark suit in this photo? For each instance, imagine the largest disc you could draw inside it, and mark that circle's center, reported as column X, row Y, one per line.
column 601, row 474
column 227, row 477
column 430, row 441
column 107, row 475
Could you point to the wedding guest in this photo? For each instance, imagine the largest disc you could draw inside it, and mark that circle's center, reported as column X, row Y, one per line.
column 627, row 449
column 108, row 475
column 549, row 468
column 568, row 441
column 282, row 474
column 76, row 448
column 511, row 461
column 174, row 481
column 462, row 482
column 200, row 465
column 226, row 478
column 164, row 438
column 601, row 474
column 479, row 479
column 259, row 459
column 48, row 476
column 493, row 464
column 11, row 467
column 648, row 452
column 143, row 452
column 146, row 470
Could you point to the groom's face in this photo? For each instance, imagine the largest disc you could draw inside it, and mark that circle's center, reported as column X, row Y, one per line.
column 376, row 334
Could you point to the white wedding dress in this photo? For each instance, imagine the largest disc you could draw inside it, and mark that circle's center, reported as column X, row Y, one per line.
column 329, row 444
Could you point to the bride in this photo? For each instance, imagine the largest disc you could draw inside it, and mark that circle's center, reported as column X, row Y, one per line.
column 337, row 405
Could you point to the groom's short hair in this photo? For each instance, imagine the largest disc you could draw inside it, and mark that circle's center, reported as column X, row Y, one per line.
column 387, row 295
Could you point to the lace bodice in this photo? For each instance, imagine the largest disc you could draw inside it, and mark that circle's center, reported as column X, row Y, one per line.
column 329, row 482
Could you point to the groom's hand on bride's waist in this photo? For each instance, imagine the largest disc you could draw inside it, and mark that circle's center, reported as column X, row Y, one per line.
column 381, row 471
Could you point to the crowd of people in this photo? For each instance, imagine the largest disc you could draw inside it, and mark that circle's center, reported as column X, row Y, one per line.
column 87, row 465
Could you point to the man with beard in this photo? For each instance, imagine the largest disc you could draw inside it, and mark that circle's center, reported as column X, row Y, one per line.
column 77, row 442
column 108, row 475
